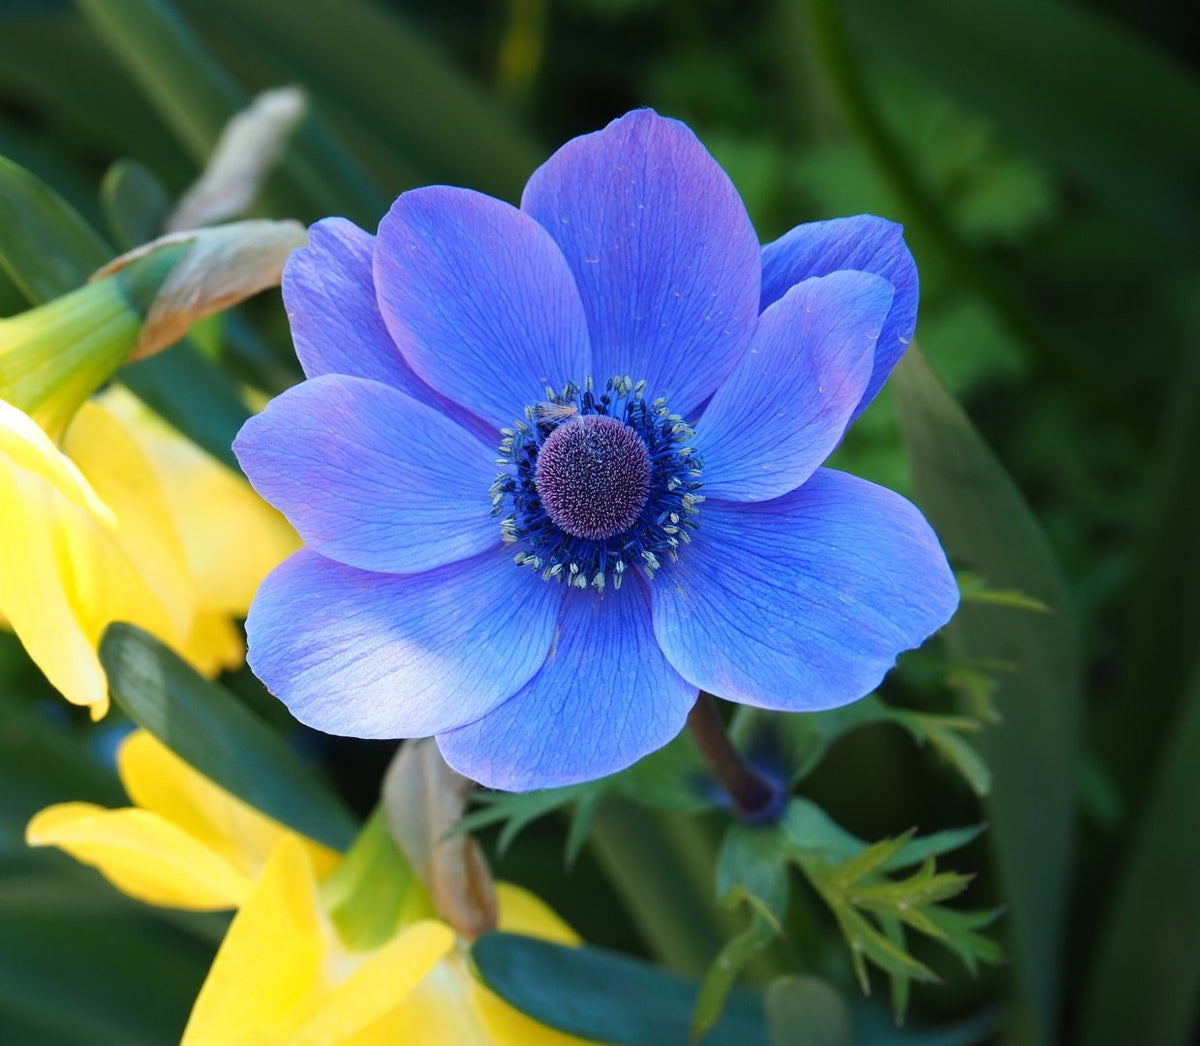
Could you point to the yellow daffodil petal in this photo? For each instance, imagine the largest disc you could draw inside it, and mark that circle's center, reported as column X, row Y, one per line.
column 385, row 978
column 142, row 854
column 276, row 980
column 522, row 912
column 452, row 1006
column 215, row 643
column 26, row 446
column 65, row 572
column 146, row 532
column 232, row 538
column 157, row 779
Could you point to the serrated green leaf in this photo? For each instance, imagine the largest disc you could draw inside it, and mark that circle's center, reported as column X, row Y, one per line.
column 606, row 997
column 919, row 848
column 899, row 984
column 209, row 728
column 1107, row 107
column 754, row 859
column 723, row 973
column 807, row 1011
column 957, row 933
column 984, row 524
column 46, row 247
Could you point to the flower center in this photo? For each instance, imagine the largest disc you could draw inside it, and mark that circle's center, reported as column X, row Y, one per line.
column 597, row 481
column 593, row 474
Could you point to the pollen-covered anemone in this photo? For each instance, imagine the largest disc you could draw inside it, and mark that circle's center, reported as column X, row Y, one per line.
column 557, row 467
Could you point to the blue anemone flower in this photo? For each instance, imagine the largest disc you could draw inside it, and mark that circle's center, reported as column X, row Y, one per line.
column 558, row 467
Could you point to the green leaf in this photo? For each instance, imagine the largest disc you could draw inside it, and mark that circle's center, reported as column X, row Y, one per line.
column 752, row 858
column 373, row 890
column 135, row 203
column 46, row 248
column 730, row 961
column 1108, row 108
column 985, row 525
column 197, row 96
column 605, row 996
column 807, row 1011
column 208, row 727
column 1142, row 984
column 437, row 120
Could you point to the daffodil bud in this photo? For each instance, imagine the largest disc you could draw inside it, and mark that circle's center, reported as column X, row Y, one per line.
column 55, row 356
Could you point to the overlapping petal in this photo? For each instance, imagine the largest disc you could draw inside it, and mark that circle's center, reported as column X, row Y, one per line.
column 663, row 251
column 80, row 548
column 784, row 409
column 479, row 300
column 803, row 602
column 604, row 698
column 371, row 477
column 376, row 655
column 271, row 983
column 186, row 843
column 866, row 243
column 329, row 294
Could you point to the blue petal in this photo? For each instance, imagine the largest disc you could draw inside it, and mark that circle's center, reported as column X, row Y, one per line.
column 604, row 698
column 803, row 603
column 479, row 300
column 329, row 293
column 384, row 655
column 665, row 256
column 786, row 406
column 866, row 243
column 370, row 477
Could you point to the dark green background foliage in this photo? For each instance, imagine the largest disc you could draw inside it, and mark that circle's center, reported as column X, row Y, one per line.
column 1044, row 156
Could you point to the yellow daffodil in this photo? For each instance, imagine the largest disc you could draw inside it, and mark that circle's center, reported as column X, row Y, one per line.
column 107, row 514
column 185, row 843
column 324, row 950
column 284, row 977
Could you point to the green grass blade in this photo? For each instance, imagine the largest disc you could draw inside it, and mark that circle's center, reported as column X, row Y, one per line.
column 1145, row 979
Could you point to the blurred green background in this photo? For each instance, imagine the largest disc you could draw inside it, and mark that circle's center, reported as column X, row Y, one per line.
column 1044, row 157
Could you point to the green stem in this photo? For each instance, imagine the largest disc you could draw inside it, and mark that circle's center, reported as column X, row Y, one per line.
column 661, row 868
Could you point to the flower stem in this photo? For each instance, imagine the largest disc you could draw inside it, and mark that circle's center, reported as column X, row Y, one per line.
column 752, row 795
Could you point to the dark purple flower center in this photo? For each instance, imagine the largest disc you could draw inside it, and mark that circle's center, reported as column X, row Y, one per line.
column 596, row 481
column 593, row 473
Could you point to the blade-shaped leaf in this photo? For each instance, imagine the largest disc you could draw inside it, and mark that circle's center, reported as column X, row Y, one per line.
column 46, row 248
column 985, row 525
column 212, row 730
column 1147, row 967
column 606, row 996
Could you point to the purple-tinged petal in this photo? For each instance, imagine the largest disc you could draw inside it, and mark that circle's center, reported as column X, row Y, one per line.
column 665, row 256
column 370, row 477
column 863, row 242
column 784, row 409
column 390, row 655
column 479, row 300
column 329, row 293
column 802, row 603
column 604, row 698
